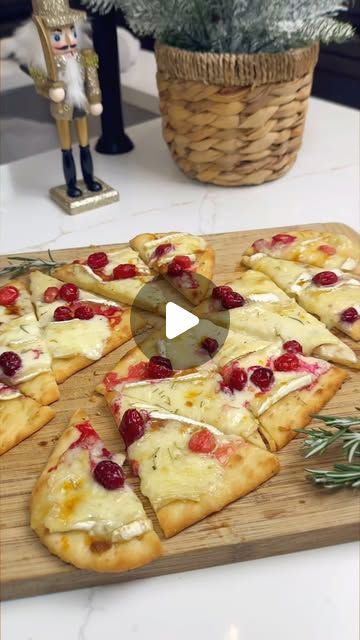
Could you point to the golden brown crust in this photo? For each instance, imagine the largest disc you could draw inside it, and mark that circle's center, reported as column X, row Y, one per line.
column 294, row 411
column 352, row 330
column 42, row 388
column 246, row 470
column 19, row 418
column 77, row 547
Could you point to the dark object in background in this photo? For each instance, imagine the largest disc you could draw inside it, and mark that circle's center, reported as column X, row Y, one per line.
column 113, row 139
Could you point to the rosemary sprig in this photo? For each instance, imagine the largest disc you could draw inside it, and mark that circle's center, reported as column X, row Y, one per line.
column 340, row 476
column 318, row 440
column 23, row 264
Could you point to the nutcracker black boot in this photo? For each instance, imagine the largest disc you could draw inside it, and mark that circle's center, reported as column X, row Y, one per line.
column 88, row 169
column 70, row 174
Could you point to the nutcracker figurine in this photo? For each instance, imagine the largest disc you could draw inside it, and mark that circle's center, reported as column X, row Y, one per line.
column 69, row 79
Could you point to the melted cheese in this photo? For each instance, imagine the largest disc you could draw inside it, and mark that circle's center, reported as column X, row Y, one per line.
column 8, row 393
column 183, row 244
column 22, row 336
column 284, row 382
column 78, row 337
column 198, row 398
column 169, row 470
column 76, row 502
column 306, row 249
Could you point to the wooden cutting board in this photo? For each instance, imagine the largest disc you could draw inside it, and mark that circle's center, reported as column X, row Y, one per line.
column 286, row 514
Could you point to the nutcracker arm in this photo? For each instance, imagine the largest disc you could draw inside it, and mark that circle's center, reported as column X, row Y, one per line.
column 43, row 84
column 90, row 62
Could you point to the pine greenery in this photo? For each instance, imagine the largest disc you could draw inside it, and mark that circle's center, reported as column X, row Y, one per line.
column 233, row 26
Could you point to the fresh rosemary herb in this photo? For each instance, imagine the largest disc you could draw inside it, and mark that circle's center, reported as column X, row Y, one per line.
column 338, row 429
column 24, row 264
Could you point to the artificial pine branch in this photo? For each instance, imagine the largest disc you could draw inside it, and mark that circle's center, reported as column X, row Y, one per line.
column 233, row 26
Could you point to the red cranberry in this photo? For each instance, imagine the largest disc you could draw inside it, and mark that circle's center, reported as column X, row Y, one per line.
column 10, row 363
column 219, row 292
column 51, row 294
column 109, row 474
column 210, row 345
column 178, row 265
column 124, row 271
column 287, row 362
column 174, row 269
column 69, row 292
column 159, row 367
column 232, row 300
column 162, row 249
column 8, row 295
column 283, row 238
column 325, row 278
column 202, row 441
column 292, row 346
column 84, row 312
column 132, row 426
column 63, row 313
column 328, row 249
column 350, row 315
column 238, row 379
column 97, row 260
column 263, row 378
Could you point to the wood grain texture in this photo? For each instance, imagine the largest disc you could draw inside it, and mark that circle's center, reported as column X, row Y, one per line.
column 286, row 514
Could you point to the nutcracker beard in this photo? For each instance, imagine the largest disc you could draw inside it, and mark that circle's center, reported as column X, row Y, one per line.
column 72, row 77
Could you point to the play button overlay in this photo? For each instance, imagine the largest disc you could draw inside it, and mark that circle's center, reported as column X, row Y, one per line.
column 178, row 320
column 177, row 330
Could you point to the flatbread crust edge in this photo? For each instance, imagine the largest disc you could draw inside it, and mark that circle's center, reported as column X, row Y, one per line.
column 65, row 367
column 19, row 418
column 295, row 411
column 77, row 547
column 245, row 471
column 42, row 388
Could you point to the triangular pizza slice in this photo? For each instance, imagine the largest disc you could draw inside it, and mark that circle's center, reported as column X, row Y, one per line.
column 120, row 275
column 333, row 296
column 254, row 304
column 193, row 391
column 284, row 388
column 79, row 327
column 188, row 469
column 84, row 511
column 25, row 361
column 185, row 260
column 324, row 249
column 19, row 417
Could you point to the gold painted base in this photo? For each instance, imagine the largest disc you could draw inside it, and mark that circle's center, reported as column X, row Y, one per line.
column 87, row 201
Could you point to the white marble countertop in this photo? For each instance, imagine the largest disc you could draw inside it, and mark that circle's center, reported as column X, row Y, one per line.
column 312, row 594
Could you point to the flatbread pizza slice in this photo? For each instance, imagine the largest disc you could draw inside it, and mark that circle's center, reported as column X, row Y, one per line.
column 83, row 509
column 120, row 275
column 333, row 296
column 196, row 391
column 189, row 470
column 19, row 417
column 79, row 327
column 185, row 260
column 258, row 307
column 324, row 249
column 25, row 361
column 284, row 389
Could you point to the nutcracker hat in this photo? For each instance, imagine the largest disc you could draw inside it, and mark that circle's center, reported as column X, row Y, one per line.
column 56, row 13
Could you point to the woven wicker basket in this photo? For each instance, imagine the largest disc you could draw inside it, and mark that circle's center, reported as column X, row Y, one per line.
column 234, row 119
